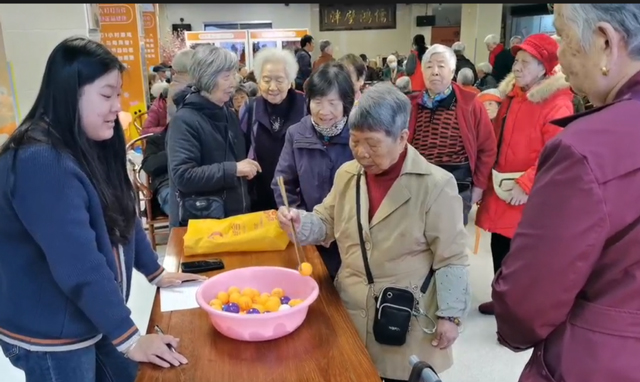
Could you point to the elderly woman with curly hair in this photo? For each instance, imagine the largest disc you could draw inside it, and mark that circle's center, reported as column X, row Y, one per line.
column 569, row 287
column 397, row 220
column 266, row 118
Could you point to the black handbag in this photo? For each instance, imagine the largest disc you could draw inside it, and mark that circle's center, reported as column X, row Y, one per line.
column 194, row 207
column 395, row 306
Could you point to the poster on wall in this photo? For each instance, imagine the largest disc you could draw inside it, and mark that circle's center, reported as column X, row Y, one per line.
column 235, row 41
column 119, row 31
column 8, row 104
column 275, row 38
column 151, row 34
column 445, row 35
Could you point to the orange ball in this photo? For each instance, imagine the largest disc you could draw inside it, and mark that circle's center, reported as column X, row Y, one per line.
column 272, row 305
column 245, row 303
column 305, row 269
column 277, row 292
column 264, row 297
column 259, row 307
column 234, row 297
column 233, row 289
column 223, row 297
column 216, row 302
column 295, row 302
column 216, row 307
column 247, row 292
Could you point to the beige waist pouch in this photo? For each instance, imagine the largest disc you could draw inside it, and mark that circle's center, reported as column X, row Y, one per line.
column 504, row 182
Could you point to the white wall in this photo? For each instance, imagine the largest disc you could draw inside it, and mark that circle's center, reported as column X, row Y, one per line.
column 372, row 43
column 31, row 31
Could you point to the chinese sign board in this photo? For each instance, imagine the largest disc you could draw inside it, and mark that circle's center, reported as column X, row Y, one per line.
column 357, row 17
column 8, row 112
column 275, row 38
column 151, row 38
column 120, row 32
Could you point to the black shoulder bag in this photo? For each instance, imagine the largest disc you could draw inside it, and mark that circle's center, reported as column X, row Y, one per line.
column 395, row 306
column 195, row 207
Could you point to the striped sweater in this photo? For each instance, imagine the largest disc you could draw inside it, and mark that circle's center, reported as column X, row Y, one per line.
column 62, row 284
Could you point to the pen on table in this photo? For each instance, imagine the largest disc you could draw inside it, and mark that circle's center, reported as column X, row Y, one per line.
column 159, row 331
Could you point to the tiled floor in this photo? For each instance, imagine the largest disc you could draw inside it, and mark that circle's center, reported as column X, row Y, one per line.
column 478, row 357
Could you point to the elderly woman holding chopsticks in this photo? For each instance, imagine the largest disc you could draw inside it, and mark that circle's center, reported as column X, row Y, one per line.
column 397, row 220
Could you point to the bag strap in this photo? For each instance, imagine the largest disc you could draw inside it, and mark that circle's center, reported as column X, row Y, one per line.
column 363, row 249
column 501, row 135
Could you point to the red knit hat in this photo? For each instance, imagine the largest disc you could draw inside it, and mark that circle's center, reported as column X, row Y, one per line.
column 541, row 46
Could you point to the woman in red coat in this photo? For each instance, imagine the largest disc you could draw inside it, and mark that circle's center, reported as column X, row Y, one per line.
column 413, row 66
column 535, row 93
column 156, row 120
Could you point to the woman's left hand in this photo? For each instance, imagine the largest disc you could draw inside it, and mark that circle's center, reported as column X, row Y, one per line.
column 446, row 334
column 170, row 279
column 518, row 196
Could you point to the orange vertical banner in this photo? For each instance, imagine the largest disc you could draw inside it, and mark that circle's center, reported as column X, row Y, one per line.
column 120, row 31
column 8, row 117
column 151, row 34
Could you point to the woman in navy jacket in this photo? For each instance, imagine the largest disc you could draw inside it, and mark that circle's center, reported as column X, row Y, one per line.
column 316, row 147
column 69, row 235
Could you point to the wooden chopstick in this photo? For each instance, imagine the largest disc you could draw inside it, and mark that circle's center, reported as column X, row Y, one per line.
column 293, row 227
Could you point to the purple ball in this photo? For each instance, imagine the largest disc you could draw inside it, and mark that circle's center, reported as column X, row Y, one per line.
column 253, row 311
column 285, row 300
column 231, row 308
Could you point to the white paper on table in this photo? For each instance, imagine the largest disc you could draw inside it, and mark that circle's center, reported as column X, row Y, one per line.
column 180, row 297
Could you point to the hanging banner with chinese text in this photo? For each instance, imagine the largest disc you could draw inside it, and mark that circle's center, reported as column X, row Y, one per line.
column 357, row 17
column 151, row 34
column 120, row 32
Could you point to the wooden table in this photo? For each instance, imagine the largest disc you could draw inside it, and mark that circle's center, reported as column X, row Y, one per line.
column 326, row 348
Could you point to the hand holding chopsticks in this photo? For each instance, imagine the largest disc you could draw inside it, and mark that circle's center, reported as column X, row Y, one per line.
column 293, row 220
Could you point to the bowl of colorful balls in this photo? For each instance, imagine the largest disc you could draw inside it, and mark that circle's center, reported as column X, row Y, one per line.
column 258, row 303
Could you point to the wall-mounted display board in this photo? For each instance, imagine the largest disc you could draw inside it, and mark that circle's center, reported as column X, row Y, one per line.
column 235, row 41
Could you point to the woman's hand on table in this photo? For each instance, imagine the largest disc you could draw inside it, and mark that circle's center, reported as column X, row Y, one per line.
column 153, row 348
column 170, row 279
column 288, row 216
column 446, row 334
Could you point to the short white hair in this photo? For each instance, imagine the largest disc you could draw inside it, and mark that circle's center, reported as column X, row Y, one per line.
column 492, row 39
column 404, row 84
column 514, row 38
column 440, row 49
column 275, row 55
column 485, row 67
column 159, row 88
column 392, row 58
column 465, row 77
column 209, row 62
column 458, row 47
column 624, row 18
column 182, row 60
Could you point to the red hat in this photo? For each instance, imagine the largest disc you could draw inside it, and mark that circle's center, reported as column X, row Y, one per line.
column 541, row 46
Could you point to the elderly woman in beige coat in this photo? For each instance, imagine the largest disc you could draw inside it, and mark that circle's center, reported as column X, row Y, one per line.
column 411, row 231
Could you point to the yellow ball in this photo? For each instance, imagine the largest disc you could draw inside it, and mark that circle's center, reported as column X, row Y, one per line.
column 247, row 292
column 259, row 307
column 305, row 269
column 264, row 297
column 278, row 292
column 234, row 297
column 223, row 297
column 272, row 305
column 233, row 289
column 295, row 302
column 216, row 302
column 216, row 307
column 245, row 303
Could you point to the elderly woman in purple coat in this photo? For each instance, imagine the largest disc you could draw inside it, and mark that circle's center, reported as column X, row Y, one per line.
column 316, row 147
column 266, row 118
column 569, row 286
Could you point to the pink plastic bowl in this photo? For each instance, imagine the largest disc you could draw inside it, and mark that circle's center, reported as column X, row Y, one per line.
column 259, row 327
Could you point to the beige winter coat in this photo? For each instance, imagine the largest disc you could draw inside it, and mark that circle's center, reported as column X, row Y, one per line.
column 418, row 226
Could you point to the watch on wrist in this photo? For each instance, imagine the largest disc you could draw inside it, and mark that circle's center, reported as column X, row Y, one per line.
column 454, row 320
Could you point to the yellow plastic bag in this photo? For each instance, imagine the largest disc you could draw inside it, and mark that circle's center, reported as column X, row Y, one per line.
column 254, row 232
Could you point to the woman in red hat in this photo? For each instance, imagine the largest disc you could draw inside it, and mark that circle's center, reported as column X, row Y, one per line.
column 535, row 93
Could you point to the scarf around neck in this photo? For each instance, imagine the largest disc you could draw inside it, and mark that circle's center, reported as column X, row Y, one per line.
column 330, row 131
column 432, row 102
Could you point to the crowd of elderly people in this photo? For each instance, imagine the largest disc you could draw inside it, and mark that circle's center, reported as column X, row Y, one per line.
column 357, row 166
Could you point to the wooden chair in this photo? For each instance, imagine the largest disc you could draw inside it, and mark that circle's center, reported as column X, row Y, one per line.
column 141, row 188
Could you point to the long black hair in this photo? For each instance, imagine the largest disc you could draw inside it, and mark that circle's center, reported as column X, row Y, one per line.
column 329, row 77
column 420, row 44
column 55, row 119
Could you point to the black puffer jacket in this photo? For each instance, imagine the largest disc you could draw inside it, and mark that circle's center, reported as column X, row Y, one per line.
column 199, row 162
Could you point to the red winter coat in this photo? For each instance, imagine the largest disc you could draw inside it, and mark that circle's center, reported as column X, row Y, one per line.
column 156, row 120
column 417, row 78
column 526, row 130
column 475, row 130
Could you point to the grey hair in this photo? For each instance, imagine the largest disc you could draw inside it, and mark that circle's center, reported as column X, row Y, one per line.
column 458, row 47
column 514, row 38
column 624, row 18
column 182, row 61
column 209, row 62
column 392, row 58
column 324, row 44
column 492, row 39
column 271, row 55
column 382, row 108
column 440, row 49
column 465, row 76
column 159, row 88
column 485, row 67
column 404, row 84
